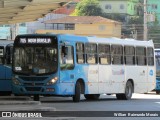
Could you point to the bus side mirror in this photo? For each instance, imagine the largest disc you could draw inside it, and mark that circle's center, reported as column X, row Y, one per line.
column 8, row 55
column 64, row 50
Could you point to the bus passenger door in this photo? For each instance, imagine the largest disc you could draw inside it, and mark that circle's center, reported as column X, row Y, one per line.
column 66, row 70
column 2, row 68
column 93, row 85
column 105, row 79
column 8, row 69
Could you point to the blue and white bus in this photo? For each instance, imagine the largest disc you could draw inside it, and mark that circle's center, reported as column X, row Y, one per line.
column 6, row 48
column 69, row 65
column 157, row 56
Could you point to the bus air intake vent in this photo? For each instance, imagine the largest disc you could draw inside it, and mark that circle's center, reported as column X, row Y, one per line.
column 33, row 88
column 33, row 78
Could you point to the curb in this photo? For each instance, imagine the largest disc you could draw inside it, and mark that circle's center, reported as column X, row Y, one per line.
column 14, row 98
column 20, row 102
column 39, row 109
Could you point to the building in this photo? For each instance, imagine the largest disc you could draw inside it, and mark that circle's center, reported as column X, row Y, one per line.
column 57, row 13
column 125, row 8
column 154, row 9
column 84, row 26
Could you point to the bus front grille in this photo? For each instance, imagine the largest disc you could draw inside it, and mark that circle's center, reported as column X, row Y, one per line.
column 33, row 78
column 33, row 88
column 35, row 84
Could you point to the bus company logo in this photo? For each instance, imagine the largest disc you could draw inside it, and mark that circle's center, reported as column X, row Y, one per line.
column 118, row 72
column 6, row 114
column 151, row 72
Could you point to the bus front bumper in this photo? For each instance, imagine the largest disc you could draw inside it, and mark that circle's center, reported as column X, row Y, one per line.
column 40, row 90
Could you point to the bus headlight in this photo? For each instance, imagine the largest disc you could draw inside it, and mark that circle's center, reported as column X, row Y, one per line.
column 15, row 81
column 52, row 81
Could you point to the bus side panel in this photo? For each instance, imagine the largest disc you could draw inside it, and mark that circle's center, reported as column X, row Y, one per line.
column 9, row 77
column 139, row 76
column 105, row 79
column 151, row 78
column 3, row 81
column 118, row 78
column 67, row 78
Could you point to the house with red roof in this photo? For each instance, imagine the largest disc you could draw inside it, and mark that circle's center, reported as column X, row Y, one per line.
column 84, row 26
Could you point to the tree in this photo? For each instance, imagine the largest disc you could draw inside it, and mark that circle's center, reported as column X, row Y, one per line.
column 88, row 8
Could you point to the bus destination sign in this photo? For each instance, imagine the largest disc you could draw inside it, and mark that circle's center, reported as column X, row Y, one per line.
column 35, row 40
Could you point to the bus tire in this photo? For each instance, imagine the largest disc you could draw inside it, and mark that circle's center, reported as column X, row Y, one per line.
column 36, row 97
column 119, row 96
column 157, row 92
column 76, row 97
column 92, row 96
column 128, row 91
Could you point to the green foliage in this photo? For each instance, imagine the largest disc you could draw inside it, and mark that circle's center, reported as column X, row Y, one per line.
column 88, row 8
column 115, row 16
column 136, row 20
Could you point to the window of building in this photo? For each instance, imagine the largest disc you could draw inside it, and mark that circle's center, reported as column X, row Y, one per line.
column 91, row 53
column 108, row 6
column 117, row 54
column 60, row 26
column 102, row 27
column 69, row 26
column 150, row 56
column 121, row 6
column 80, row 53
column 154, row 6
column 129, row 55
column 104, row 54
column 141, row 55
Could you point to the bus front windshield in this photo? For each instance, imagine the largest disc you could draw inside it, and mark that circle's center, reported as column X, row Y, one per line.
column 158, row 66
column 35, row 60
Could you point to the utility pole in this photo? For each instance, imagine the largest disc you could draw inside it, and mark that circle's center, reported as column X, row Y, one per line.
column 145, row 21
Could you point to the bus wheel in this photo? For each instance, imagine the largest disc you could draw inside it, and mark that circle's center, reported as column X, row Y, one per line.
column 36, row 97
column 119, row 96
column 92, row 96
column 76, row 97
column 128, row 91
column 157, row 92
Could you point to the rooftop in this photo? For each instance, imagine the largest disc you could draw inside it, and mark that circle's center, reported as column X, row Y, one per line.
column 82, row 20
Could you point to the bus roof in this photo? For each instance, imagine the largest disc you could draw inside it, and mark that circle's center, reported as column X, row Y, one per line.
column 94, row 39
column 111, row 40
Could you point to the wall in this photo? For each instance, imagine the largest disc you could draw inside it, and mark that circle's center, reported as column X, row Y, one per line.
column 101, row 30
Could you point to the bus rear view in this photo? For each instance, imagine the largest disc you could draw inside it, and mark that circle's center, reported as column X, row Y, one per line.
column 35, row 65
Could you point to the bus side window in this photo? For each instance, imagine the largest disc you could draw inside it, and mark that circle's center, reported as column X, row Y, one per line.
column 91, row 53
column 67, row 58
column 129, row 55
column 80, row 53
column 104, row 54
column 141, row 56
column 1, row 55
column 150, row 56
column 9, row 54
column 117, row 54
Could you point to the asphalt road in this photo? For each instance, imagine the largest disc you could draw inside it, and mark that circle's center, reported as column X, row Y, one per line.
column 106, row 103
